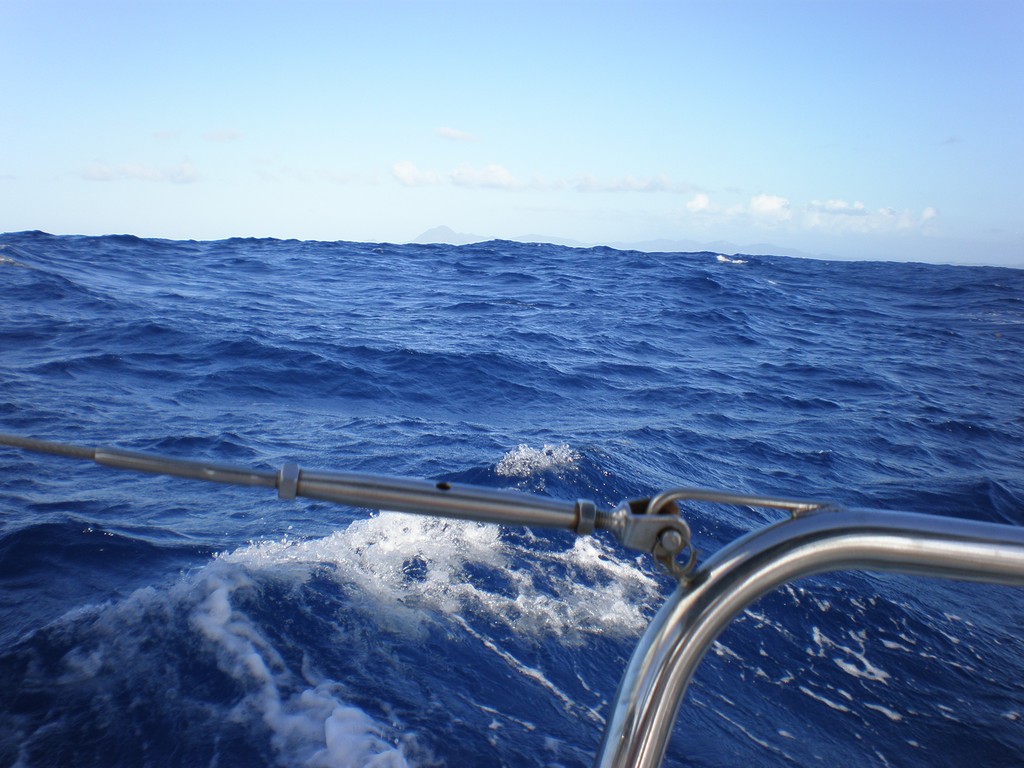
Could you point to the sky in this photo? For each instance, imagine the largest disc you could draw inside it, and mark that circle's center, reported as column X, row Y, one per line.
column 856, row 130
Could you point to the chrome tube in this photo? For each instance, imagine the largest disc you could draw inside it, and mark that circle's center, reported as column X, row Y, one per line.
column 358, row 490
column 193, row 470
column 647, row 703
column 445, row 499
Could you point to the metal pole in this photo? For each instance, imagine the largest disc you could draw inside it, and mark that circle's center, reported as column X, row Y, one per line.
column 446, row 500
column 357, row 490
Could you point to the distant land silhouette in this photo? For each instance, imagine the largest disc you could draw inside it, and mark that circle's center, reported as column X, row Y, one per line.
column 448, row 236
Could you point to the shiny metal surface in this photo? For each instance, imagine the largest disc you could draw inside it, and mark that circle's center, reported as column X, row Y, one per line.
column 652, row 688
column 689, row 493
column 442, row 499
column 357, row 490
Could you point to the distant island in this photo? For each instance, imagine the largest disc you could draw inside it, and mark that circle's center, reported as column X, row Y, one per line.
column 448, row 236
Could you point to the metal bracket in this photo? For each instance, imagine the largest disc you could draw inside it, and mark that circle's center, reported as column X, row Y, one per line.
column 665, row 535
column 654, row 525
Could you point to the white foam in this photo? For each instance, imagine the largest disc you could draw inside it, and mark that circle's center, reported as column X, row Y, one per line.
column 313, row 727
column 894, row 716
column 409, row 570
column 524, row 461
column 864, row 669
column 750, row 735
column 532, row 673
column 828, row 702
column 720, row 650
column 892, row 645
column 308, row 722
column 721, row 258
column 495, row 725
column 5, row 259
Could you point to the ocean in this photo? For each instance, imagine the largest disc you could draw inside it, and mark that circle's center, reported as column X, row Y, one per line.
column 154, row 621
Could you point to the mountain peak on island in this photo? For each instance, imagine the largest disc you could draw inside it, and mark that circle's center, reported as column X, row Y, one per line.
column 448, row 236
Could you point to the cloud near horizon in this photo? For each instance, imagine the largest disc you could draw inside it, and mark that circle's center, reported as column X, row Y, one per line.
column 630, row 183
column 841, row 216
column 771, row 208
column 408, row 174
column 762, row 210
column 183, row 173
column 454, row 134
column 223, row 136
column 491, row 176
column 496, row 176
column 833, row 215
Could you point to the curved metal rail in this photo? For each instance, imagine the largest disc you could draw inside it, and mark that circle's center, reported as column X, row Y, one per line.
column 818, row 537
column 663, row 663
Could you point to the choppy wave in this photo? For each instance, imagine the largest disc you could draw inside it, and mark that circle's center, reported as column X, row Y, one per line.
column 181, row 659
column 159, row 622
column 410, row 569
column 524, row 461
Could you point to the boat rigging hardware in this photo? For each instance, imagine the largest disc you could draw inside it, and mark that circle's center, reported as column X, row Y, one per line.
column 655, row 524
column 652, row 525
column 664, row 534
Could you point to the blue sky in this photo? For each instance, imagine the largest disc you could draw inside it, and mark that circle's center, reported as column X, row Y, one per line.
column 873, row 130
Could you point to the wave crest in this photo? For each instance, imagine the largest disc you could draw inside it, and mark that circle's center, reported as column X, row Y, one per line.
column 409, row 570
column 524, row 461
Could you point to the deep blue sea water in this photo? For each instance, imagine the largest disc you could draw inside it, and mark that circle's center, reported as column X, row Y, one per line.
column 163, row 622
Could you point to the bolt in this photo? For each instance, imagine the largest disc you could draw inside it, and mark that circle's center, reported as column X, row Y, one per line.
column 671, row 541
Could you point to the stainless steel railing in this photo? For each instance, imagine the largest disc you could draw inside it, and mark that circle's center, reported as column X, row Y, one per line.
column 704, row 604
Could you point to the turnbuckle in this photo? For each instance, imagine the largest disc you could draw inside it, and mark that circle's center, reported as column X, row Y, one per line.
column 651, row 525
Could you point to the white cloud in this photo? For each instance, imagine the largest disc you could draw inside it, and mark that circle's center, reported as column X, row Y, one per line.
column 454, row 134
column 837, row 208
column 832, row 216
column 629, row 183
column 183, row 173
column 700, row 203
column 98, row 172
column 841, row 216
column 140, row 172
column 771, row 207
column 496, row 176
column 493, row 176
column 345, row 177
column 541, row 182
column 408, row 174
column 222, row 136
